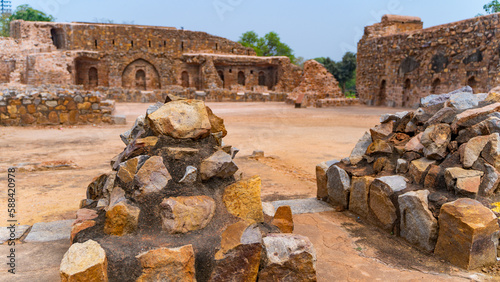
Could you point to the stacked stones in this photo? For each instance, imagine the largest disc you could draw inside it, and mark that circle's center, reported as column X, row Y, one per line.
column 171, row 210
column 430, row 176
column 53, row 107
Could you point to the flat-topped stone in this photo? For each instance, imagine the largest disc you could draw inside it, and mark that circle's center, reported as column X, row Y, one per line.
column 298, row 206
column 50, row 231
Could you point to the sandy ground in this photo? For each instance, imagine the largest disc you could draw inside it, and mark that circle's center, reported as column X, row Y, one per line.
column 294, row 141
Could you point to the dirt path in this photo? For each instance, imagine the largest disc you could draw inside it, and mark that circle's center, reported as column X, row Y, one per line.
column 294, row 141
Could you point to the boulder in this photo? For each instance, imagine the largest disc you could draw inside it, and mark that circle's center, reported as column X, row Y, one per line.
column 435, row 140
column 241, row 232
column 186, row 213
column 181, row 119
column 220, row 164
column 321, row 178
column 242, row 199
column 473, row 149
column 239, row 264
column 283, row 219
column 381, row 131
column 415, row 144
column 402, row 166
column 379, row 146
column 360, row 149
column 121, row 219
column 152, row 176
column 418, row 169
column 491, row 152
column 445, row 115
column 463, row 101
column 490, row 181
column 288, row 257
column 462, row 181
column 128, row 169
column 418, row 225
column 164, row 264
column 338, row 184
column 383, row 192
column 80, row 226
column 358, row 200
column 468, row 234
column 84, row 262
column 473, row 116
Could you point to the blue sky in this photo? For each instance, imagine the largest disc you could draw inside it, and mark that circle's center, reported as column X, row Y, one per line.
column 313, row 28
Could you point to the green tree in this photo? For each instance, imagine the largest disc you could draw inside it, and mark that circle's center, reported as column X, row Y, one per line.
column 344, row 71
column 492, row 7
column 23, row 12
column 269, row 45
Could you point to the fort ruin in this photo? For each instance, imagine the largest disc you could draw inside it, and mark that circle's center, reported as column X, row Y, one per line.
column 399, row 62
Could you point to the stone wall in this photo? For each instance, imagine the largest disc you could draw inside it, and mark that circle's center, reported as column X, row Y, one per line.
column 399, row 63
column 41, row 106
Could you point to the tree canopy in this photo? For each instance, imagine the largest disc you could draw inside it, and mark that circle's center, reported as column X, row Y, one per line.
column 344, row 71
column 269, row 45
column 492, row 7
column 23, row 12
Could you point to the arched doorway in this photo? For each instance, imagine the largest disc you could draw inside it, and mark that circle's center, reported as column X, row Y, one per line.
column 436, row 86
column 472, row 82
column 141, row 74
column 93, row 78
column 382, row 94
column 262, row 78
column 221, row 76
column 140, row 80
column 185, row 79
column 406, row 92
column 241, row 78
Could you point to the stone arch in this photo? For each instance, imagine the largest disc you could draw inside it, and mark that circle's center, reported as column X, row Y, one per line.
column 93, row 77
column 241, row 78
column 141, row 74
column 262, row 79
column 406, row 92
column 382, row 94
column 185, row 79
column 436, row 86
column 472, row 82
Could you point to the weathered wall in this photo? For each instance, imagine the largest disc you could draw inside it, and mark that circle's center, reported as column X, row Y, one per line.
column 42, row 107
column 399, row 63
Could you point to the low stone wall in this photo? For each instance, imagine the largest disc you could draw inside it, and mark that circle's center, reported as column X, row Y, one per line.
column 336, row 102
column 23, row 107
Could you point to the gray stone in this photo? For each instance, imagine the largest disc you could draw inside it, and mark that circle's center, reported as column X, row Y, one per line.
column 463, row 101
column 151, row 109
column 220, row 164
column 445, row 115
column 137, row 130
column 442, row 98
column 234, row 151
column 338, row 185
column 382, row 192
column 78, row 99
column 119, row 119
column 116, row 196
column 299, row 206
column 435, row 140
column 190, row 175
column 51, row 104
column 392, row 117
column 360, row 148
column 19, row 230
column 50, row 231
column 418, row 225
column 491, row 152
column 490, row 181
column 321, row 179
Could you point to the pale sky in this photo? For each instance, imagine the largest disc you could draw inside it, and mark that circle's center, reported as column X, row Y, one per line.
column 312, row 28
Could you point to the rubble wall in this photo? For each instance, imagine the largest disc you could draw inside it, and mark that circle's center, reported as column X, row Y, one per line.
column 399, row 63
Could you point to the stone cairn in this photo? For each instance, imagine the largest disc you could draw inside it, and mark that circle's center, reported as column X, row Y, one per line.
column 430, row 176
column 171, row 210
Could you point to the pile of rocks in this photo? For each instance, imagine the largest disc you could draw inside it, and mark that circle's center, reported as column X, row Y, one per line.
column 430, row 176
column 172, row 210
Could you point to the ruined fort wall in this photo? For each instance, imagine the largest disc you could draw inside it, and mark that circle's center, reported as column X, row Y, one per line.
column 398, row 69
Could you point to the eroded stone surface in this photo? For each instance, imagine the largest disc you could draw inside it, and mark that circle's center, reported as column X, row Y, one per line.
column 338, row 185
column 122, row 219
column 186, row 213
column 164, row 264
column 84, row 262
column 242, row 199
column 220, row 164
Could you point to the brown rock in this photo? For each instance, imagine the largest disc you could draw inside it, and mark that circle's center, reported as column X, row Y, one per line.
column 434, row 179
column 239, row 264
column 76, row 228
column 181, row 153
column 121, row 219
column 181, row 119
column 220, row 164
column 491, row 152
column 462, row 181
column 84, row 215
column 283, row 219
column 321, row 179
column 383, row 197
column 358, row 200
column 53, row 118
column 435, row 140
column 217, row 123
column 415, row 144
column 418, row 169
column 379, row 146
column 231, row 237
column 473, row 116
column 128, row 169
column 242, row 199
column 473, row 149
column 84, row 262
column 468, row 234
column 152, row 176
column 165, row 264
column 186, row 213
column 382, row 131
column 338, row 185
column 27, row 119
